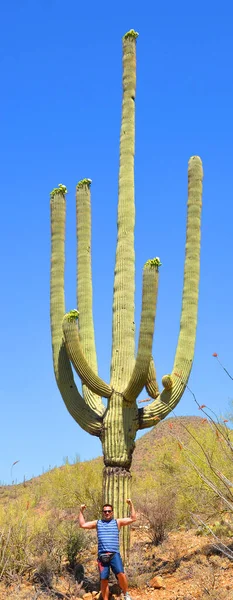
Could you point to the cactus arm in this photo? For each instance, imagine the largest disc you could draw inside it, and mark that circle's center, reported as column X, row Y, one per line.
column 149, row 300
column 150, row 415
column 152, row 387
column 123, row 327
column 87, row 418
column 80, row 364
column 84, row 285
column 84, row 275
column 175, row 383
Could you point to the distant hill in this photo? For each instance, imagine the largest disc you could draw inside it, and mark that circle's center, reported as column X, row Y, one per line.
column 163, row 435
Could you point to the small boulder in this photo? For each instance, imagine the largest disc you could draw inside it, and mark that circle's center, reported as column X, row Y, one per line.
column 157, row 583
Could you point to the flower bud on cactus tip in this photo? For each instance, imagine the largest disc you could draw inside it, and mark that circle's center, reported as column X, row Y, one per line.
column 131, row 34
column 73, row 315
column 61, row 189
column 153, row 262
column 167, row 382
column 84, row 182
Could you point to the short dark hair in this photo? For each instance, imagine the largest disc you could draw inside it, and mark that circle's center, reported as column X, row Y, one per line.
column 110, row 506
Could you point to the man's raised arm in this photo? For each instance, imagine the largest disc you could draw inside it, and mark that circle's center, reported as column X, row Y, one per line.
column 85, row 524
column 128, row 520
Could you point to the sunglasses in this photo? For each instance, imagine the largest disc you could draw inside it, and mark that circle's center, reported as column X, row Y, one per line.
column 107, row 511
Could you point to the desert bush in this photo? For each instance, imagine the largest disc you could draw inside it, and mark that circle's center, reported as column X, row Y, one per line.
column 158, row 508
column 72, row 485
column 213, row 464
column 220, row 528
column 176, row 472
column 14, row 551
column 47, row 545
column 91, row 488
column 74, row 541
column 44, row 572
column 35, row 535
column 38, row 546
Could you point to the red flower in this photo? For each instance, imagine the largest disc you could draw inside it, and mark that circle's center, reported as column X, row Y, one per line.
column 225, row 420
column 215, row 354
column 170, row 426
column 202, row 406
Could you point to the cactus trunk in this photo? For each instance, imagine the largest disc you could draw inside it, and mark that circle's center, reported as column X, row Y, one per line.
column 120, row 425
column 116, row 490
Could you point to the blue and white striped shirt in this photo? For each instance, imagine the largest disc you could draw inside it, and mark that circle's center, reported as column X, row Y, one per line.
column 108, row 536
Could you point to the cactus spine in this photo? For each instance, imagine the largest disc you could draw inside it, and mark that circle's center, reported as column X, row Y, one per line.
column 117, row 425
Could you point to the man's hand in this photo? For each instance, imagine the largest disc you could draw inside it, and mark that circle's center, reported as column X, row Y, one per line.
column 82, row 507
column 129, row 501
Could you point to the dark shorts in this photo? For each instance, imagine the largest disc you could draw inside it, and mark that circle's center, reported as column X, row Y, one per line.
column 116, row 565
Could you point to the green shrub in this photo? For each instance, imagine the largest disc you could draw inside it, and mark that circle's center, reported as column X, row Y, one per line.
column 74, row 541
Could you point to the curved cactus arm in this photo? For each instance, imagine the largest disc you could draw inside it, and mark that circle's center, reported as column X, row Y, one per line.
column 84, row 284
column 152, row 387
column 149, row 300
column 175, row 383
column 80, row 364
column 150, row 415
column 87, row 418
column 123, row 326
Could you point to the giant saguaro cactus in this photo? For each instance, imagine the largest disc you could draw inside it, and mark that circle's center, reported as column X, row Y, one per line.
column 73, row 333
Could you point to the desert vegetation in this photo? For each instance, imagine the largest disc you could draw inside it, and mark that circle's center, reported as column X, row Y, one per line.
column 40, row 538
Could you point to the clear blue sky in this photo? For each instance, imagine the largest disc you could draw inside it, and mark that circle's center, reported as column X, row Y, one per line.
column 60, row 121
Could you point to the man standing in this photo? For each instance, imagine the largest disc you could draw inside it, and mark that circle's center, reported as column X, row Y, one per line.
column 108, row 545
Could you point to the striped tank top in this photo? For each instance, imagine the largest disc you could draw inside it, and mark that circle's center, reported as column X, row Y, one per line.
column 108, row 536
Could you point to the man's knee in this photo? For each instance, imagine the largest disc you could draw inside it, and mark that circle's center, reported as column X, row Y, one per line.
column 121, row 574
column 104, row 582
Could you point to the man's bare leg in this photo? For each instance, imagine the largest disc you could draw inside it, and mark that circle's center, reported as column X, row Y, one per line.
column 104, row 588
column 123, row 583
